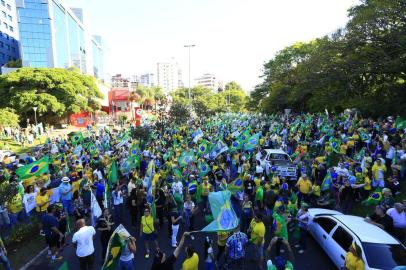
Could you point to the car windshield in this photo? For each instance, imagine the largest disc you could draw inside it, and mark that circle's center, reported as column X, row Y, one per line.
column 383, row 256
column 278, row 157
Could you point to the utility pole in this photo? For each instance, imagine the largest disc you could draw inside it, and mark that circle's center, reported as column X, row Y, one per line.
column 189, row 47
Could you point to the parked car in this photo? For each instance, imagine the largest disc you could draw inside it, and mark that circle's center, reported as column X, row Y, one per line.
column 335, row 232
column 282, row 161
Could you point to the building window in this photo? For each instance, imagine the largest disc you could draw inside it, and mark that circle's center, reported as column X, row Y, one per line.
column 10, row 18
column 5, row 25
column 1, row 55
column 9, row 58
column 8, row 7
column 4, row 14
column 8, row 47
column 1, row 44
column 13, row 49
column 3, row 3
column 11, row 28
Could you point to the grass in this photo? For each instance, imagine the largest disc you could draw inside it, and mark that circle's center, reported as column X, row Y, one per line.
column 10, row 144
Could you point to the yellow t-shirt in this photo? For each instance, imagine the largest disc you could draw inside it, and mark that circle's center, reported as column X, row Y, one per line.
column 147, row 224
column 40, row 200
column 206, row 189
column 258, row 233
column 316, row 190
column 354, row 263
column 276, row 180
column 367, row 182
column 16, row 204
column 222, row 238
column 343, row 149
column 305, row 186
column 191, row 263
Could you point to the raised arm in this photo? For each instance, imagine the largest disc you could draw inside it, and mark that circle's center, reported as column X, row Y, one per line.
column 180, row 246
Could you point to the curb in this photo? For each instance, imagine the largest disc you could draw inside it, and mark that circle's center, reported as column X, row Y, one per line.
column 33, row 259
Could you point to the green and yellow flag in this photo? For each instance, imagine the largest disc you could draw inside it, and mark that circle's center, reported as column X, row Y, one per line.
column 117, row 242
column 225, row 218
column 35, row 168
column 112, row 175
column 77, row 138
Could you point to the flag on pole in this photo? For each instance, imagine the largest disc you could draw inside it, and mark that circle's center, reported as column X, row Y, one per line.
column 134, row 150
column 203, row 148
column 252, row 142
column 112, row 175
column 77, row 138
column 327, row 181
column 35, row 168
column 117, row 243
column 204, row 169
column 225, row 218
column 95, row 207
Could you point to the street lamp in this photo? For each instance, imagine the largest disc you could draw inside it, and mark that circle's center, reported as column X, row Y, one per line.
column 189, row 47
column 35, row 114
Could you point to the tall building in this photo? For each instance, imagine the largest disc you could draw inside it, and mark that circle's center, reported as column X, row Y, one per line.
column 9, row 47
column 169, row 76
column 208, row 81
column 53, row 35
column 145, row 79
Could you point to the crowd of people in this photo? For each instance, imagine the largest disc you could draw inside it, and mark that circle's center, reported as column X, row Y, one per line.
column 340, row 160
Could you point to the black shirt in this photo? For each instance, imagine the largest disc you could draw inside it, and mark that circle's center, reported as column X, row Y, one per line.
column 166, row 265
column 175, row 215
column 249, row 187
column 386, row 221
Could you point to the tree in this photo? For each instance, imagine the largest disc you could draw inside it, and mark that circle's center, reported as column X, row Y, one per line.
column 179, row 113
column 54, row 91
column 8, row 118
column 361, row 66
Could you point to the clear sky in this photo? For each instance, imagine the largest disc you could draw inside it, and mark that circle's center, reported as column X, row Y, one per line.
column 233, row 37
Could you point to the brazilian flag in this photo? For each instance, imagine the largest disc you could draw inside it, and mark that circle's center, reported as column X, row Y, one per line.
column 117, row 243
column 335, row 145
column 245, row 135
column 112, row 174
column 224, row 216
column 204, row 169
column 236, row 145
column 252, row 142
column 134, row 150
column 192, row 187
column 327, row 182
column 35, row 168
column 130, row 163
column 235, row 185
column 92, row 149
column 77, row 138
column 203, row 148
column 373, row 199
column 186, row 158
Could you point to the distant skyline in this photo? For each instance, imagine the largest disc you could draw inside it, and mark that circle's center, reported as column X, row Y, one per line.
column 233, row 38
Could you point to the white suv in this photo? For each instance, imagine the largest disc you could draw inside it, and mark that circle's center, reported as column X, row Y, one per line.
column 282, row 161
column 335, row 232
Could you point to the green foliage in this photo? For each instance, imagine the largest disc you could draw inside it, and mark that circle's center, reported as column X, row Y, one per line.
column 8, row 118
column 179, row 113
column 54, row 91
column 22, row 232
column 205, row 102
column 149, row 94
column 362, row 66
column 7, row 192
column 14, row 64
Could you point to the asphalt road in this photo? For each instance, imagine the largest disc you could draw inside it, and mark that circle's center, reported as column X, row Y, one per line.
column 314, row 257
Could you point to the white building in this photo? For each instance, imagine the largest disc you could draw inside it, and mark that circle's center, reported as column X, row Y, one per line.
column 209, row 81
column 145, row 79
column 169, row 76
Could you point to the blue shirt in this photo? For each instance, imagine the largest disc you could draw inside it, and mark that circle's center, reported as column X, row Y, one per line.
column 48, row 222
column 64, row 187
column 235, row 244
column 100, row 189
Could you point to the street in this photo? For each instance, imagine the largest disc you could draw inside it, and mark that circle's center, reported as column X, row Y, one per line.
column 314, row 258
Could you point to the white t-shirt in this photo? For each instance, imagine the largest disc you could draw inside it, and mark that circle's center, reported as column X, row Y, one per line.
column 399, row 220
column 177, row 187
column 188, row 205
column 259, row 169
column 117, row 197
column 84, row 240
column 209, row 254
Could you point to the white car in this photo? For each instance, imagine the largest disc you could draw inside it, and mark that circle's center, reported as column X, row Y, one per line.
column 335, row 232
column 282, row 161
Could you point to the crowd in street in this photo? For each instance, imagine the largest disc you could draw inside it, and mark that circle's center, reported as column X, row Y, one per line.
column 341, row 161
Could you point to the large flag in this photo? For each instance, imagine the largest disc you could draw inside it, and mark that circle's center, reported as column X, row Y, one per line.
column 130, row 163
column 35, row 168
column 186, row 158
column 117, row 243
column 204, row 169
column 134, row 150
column 236, row 145
column 245, row 135
column 112, row 174
column 252, row 142
column 327, row 182
column 373, row 199
column 225, row 218
column 77, row 138
column 236, row 185
column 203, row 148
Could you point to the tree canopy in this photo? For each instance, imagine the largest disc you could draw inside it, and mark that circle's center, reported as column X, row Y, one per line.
column 53, row 91
column 8, row 118
column 361, row 66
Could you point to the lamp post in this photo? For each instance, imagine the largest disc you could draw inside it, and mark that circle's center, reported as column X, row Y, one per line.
column 189, row 47
column 35, row 114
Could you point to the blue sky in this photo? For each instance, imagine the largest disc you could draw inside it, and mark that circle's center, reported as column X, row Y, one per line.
column 233, row 37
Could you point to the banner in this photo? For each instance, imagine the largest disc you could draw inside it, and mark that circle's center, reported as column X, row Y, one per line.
column 29, row 201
